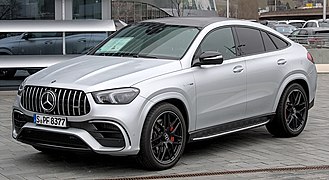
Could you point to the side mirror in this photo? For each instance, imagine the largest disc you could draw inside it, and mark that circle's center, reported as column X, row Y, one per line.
column 210, row 58
column 26, row 36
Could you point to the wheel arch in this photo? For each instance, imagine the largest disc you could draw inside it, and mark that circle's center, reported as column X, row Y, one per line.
column 5, row 51
column 175, row 98
column 300, row 79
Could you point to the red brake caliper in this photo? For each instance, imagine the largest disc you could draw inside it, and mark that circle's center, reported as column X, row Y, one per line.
column 172, row 138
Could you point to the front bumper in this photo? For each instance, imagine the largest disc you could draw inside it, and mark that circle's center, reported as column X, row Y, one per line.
column 105, row 129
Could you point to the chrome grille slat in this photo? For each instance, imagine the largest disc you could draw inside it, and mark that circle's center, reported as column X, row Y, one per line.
column 36, row 99
column 73, row 105
column 69, row 102
column 63, row 100
column 32, row 99
column 58, row 99
column 29, row 95
column 85, row 104
column 79, row 101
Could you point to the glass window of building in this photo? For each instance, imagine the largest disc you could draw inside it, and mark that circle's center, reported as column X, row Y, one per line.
column 87, row 9
column 27, row 9
column 130, row 12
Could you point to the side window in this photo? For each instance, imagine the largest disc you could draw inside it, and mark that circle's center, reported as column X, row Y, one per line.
column 268, row 43
column 250, row 41
column 220, row 40
column 280, row 44
column 303, row 32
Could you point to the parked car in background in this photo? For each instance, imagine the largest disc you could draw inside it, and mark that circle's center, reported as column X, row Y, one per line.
column 316, row 23
column 313, row 37
column 284, row 29
column 43, row 42
column 268, row 23
column 296, row 23
column 156, row 85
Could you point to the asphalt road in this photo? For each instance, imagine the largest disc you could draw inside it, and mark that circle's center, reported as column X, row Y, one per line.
column 251, row 154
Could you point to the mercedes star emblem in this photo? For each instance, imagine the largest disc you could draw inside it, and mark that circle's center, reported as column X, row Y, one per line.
column 48, row 101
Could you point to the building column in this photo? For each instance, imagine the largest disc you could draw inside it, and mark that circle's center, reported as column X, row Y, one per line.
column 106, row 9
column 68, row 6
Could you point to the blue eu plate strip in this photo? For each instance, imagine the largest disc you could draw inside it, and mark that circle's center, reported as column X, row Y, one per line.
column 34, row 118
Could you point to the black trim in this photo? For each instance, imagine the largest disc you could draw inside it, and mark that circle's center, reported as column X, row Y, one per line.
column 54, row 140
column 311, row 104
column 230, row 126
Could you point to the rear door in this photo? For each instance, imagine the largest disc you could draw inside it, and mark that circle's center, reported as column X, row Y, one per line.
column 265, row 64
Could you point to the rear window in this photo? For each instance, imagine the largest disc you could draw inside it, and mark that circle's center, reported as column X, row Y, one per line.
column 280, row 43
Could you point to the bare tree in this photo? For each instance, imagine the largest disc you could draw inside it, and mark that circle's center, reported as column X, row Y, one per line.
column 177, row 5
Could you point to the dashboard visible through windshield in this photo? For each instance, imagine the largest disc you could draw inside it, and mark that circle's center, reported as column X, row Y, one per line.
column 149, row 40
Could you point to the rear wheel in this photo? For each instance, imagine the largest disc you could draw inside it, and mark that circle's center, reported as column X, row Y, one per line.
column 163, row 138
column 292, row 112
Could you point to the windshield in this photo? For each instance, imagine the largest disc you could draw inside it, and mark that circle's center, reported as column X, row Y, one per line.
column 149, row 40
column 282, row 29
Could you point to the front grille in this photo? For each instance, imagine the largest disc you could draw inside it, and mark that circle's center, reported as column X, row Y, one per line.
column 68, row 102
column 41, row 137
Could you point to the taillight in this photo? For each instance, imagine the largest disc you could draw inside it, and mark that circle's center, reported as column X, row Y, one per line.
column 310, row 58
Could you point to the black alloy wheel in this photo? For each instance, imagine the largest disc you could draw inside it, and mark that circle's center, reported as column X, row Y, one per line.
column 166, row 137
column 295, row 110
column 163, row 138
column 291, row 114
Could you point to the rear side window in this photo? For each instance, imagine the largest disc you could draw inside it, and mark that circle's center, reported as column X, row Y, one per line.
column 268, row 43
column 280, row 44
column 250, row 41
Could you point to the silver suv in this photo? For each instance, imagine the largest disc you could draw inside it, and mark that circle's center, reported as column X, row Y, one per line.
column 154, row 86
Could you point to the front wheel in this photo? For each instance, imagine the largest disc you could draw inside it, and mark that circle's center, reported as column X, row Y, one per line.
column 163, row 138
column 292, row 112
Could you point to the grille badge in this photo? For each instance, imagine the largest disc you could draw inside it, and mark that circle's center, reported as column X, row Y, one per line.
column 48, row 101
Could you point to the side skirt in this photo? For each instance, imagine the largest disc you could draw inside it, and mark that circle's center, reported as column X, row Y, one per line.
column 231, row 127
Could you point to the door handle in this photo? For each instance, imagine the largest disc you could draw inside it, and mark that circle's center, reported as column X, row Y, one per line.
column 238, row 69
column 282, row 62
column 49, row 42
column 82, row 40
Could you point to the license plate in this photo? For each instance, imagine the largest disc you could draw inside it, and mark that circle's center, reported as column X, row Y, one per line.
column 50, row 120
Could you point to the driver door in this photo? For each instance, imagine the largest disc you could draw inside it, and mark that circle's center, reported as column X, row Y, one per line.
column 220, row 89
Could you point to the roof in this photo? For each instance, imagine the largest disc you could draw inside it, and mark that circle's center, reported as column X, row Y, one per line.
column 189, row 21
column 57, row 25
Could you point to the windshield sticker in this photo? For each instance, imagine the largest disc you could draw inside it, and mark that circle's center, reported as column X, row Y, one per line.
column 114, row 45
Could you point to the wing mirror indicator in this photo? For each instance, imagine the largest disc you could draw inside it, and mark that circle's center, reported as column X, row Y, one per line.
column 210, row 58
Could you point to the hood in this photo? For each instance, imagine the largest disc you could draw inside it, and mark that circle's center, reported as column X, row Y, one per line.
column 9, row 39
column 94, row 73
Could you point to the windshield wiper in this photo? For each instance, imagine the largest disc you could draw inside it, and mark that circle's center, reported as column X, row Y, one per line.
column 144, row 56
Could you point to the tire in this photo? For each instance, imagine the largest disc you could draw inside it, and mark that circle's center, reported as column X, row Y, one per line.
column 291, row 114
column 7, row 73
column 165, row 126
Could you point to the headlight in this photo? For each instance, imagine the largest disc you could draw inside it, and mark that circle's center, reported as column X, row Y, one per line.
column 21, row 87
column 115, row 96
